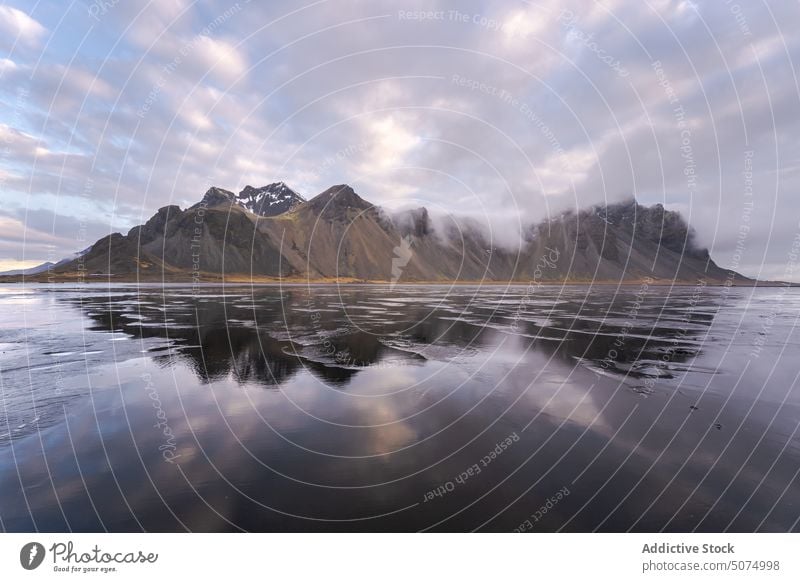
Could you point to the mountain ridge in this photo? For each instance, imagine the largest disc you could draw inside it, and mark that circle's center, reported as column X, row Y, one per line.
column 273, row 233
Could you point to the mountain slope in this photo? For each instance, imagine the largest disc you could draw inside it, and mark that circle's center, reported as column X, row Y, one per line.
column 339, row 235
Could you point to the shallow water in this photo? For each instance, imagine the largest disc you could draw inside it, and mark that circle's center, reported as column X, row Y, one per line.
column 414, row 408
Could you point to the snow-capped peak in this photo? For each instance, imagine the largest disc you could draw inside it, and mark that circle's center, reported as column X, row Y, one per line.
column 269, row 200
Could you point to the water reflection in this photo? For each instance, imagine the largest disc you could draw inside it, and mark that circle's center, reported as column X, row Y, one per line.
column 256, row 336
column 346, row 408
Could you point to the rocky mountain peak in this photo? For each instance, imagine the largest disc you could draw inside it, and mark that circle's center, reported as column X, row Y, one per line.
column 216, row 197
column 270, row 200
column 341, row 196
column 666, row 228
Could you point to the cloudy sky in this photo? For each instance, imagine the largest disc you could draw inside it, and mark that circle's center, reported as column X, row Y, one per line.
column 502, row 110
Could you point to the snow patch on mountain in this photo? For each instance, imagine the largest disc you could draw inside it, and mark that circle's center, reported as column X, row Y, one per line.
column 270, row 200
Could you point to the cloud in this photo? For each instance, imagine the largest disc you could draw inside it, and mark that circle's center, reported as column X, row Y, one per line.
column 519, row 110
column 219, row 58
column 391, row 143
column 20, row 242
column 16, row 27
column 7, row 65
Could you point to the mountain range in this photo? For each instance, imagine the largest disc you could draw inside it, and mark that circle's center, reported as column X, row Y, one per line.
column 273, row 233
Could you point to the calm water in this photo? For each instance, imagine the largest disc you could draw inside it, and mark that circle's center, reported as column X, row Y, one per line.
column 414, row 408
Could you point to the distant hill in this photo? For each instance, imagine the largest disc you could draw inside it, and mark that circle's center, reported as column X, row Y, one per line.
column 272, row 232
column 44, row 267
column 30, row 270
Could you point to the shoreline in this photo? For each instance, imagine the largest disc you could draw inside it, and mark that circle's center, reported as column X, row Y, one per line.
column 299, row 281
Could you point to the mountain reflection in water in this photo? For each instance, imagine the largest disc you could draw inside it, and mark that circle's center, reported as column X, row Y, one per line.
column 419, row 407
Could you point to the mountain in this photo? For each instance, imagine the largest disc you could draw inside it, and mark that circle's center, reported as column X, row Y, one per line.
column 269, row 200
column 44, row 267
column 271, row 232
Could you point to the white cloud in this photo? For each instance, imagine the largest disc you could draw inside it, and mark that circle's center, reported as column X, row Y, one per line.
column 18, row 27
column 219, row 57
column 392, row 140
column 7, row 65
